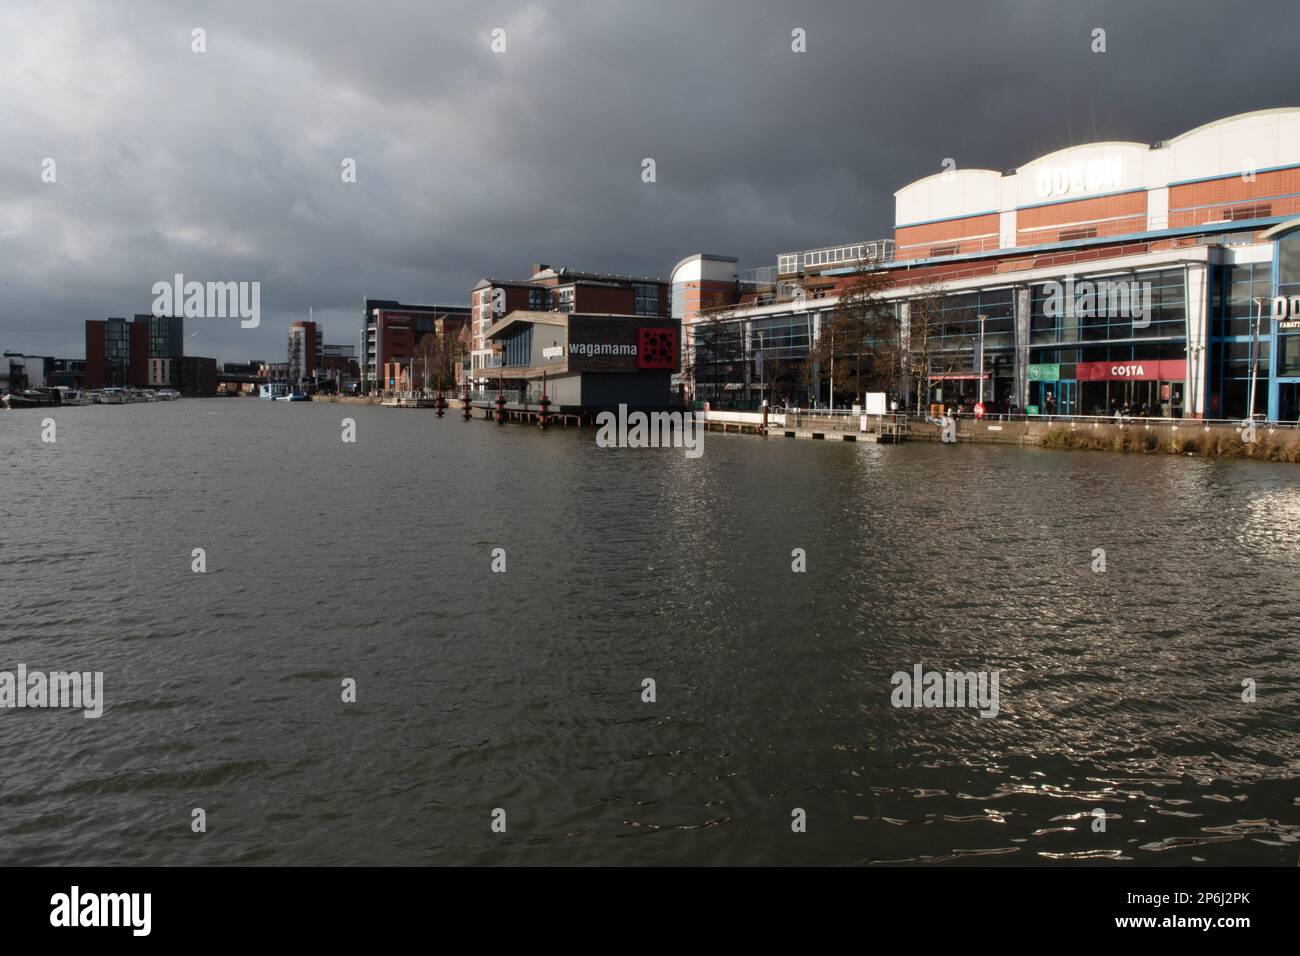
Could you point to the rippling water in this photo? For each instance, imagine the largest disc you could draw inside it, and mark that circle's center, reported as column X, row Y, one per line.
column 325, row 560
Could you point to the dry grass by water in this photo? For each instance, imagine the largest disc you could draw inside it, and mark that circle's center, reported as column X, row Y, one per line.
column 1280, row 445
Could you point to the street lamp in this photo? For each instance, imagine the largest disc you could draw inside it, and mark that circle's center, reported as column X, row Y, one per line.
column 980, row 371
column 1254, row 356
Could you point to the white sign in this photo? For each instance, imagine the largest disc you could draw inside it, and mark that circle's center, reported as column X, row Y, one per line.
column 876, row 403
column 1286, row 312
column 1090, row 177
column 555, row 351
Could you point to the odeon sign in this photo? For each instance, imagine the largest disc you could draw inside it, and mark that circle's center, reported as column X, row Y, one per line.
column 1286, row 312
column 1090, row 177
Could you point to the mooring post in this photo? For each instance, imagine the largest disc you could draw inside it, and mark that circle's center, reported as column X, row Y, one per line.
column 545, row 403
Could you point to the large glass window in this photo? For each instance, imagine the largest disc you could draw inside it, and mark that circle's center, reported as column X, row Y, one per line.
column 783, row 337
column 1233, row 310
column 1124, row 306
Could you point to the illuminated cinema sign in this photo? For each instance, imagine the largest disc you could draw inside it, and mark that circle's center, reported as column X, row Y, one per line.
column 1286, row 312
column 1093, row 176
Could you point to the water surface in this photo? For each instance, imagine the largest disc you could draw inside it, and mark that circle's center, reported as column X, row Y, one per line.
column 327, row 560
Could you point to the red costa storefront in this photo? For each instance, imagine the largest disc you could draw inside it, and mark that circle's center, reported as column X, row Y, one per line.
column 1147, row 387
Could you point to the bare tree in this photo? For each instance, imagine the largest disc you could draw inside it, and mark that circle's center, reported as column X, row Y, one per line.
column 858, row 346
column 717, row 352
column 925, row 313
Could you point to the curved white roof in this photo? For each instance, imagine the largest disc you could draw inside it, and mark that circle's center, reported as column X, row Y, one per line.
column 1259, row 140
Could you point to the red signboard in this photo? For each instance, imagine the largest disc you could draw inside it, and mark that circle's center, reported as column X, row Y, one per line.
column 1156, row 370
column 657, row 348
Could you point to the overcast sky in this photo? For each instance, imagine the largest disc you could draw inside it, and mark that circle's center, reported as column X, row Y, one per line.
column 226, row 165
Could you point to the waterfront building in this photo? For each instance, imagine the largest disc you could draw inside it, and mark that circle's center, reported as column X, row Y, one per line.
column 13, row 373
column 995, row 279
column 306, row 351
column 166, row 335
column 160, row 373
column 19, row 371
column 559, row 290
column 390, row 331
column 589, row 361
column 197, row 376
column 117, row 353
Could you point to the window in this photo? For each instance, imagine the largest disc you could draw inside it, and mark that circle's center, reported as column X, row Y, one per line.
column 1071, row 235
column 1262, row 211
column 647, row 298
column 937, row 251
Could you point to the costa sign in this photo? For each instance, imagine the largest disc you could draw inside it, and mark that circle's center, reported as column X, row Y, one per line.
column 1159, row 370
column 1286, row 312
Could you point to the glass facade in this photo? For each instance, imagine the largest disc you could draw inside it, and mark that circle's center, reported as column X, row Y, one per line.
column 647, row 298
column 1285, row 407
column 117, row 352
column 516, row 348
column 954, row 338
column 783, row 337
column 1139, row 322
column 1233, row 313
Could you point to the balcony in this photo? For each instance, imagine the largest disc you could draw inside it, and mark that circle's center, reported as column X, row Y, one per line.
column 835, row 257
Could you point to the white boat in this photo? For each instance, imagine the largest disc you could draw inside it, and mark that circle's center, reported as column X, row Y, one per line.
column 274, row 390
column 150, row 395
column 111, row 396
column 71, row 396
column 168, row 395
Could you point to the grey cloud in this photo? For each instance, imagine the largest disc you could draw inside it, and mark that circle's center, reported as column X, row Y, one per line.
column 226, row 165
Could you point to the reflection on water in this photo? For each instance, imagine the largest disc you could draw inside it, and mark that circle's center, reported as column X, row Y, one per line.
column 1120, row 694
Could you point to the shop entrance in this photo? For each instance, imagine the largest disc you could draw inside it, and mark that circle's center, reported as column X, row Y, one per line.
column 1054, row 398
column 1288, row 402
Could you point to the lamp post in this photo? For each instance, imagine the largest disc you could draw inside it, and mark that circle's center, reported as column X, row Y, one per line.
column 1254, row 356
column 980, row 371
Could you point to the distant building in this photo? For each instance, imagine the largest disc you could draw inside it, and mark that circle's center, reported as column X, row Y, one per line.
column 166, row 335
column 68, row 373
column 198, row 376
column 1161, row 279
column 555, row 290
column 306, row 351
column 160, row 373
column 13, row 373
column 121, row 353
column 589, row 361
column 117, row 353
column 390, row 331
column 18, row 371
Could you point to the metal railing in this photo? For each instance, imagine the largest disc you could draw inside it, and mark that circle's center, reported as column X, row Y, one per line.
column 1187, row 217
column 1129, row 421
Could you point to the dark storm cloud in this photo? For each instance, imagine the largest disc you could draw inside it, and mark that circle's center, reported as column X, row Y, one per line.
column 226, row 165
